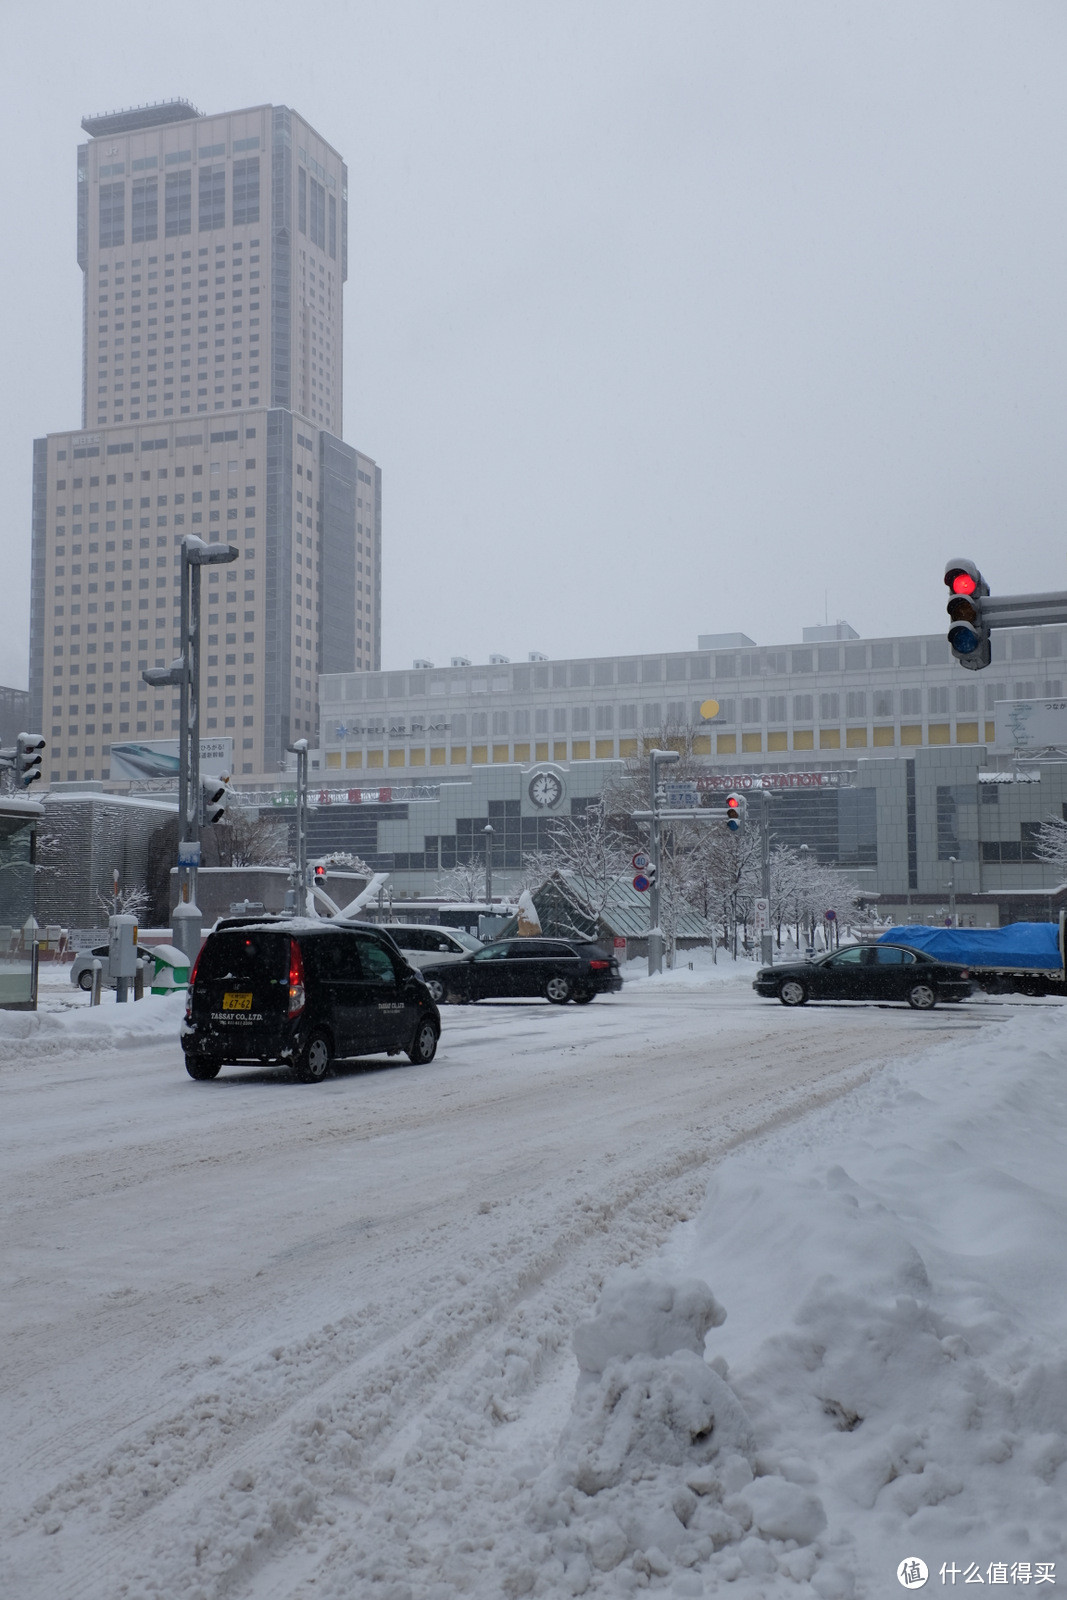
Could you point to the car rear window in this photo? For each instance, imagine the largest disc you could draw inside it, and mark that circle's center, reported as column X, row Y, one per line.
column 249, row 956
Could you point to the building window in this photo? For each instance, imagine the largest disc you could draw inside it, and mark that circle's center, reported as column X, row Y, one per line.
column 317, row 214
column 750, row 710
column 803, row 706
column 605, row 718
column 178, row 204
column 144, row 207
column 911, row 702
column 829, row 707
column 937, row 700
column 856, row 703
column 112, row 215
column 302, row 200
column 967, row 699
column 333, row 228
column 212, row 197
column 246, row 191
column 776, row 708
column 883, row 702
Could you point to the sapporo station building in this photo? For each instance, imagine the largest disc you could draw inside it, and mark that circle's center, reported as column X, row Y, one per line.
column 882, row 755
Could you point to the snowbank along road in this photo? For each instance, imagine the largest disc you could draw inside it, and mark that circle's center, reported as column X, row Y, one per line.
column 261, row 1339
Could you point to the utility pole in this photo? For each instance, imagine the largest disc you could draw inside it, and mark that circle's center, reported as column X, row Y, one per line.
column 184, row 672
column 300, row 750
column 656, row 759
column 952, row 890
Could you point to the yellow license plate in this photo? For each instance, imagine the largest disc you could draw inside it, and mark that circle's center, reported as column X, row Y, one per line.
column 237, row 1002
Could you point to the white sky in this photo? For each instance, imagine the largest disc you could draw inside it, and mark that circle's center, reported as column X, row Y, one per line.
column 661, row 319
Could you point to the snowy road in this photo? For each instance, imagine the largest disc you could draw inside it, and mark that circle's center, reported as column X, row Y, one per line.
column 258, row 1338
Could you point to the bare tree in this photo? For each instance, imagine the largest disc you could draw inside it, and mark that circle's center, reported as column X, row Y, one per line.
column 132, row 902
column 1050, row 845
column 587, row 859
column 465, row 882
column 248, row 838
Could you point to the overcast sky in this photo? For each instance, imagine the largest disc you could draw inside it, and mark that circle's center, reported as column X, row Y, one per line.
column 661, row 318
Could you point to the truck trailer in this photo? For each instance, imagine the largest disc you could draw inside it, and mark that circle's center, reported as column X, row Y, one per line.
column 1024, row 957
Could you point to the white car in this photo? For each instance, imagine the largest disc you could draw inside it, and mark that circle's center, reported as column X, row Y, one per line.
column 423, row 944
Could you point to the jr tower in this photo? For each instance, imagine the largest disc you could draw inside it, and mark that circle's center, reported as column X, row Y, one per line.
column 214, row 254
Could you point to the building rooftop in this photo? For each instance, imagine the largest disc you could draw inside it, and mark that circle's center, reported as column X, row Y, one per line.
column 137, row 117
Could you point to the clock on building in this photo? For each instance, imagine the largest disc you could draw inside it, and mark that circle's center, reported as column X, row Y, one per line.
column 545, row 790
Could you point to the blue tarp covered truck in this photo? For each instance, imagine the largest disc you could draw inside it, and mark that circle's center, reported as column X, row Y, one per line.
column 1027, row 957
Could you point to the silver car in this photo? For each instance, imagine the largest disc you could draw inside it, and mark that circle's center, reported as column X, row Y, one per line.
column 81, row 973
column 424, row 944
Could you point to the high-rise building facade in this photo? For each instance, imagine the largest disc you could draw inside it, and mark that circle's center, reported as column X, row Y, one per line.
column 214, row 254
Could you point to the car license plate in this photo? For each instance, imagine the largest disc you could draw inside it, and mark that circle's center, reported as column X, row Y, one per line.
column 237, row 1002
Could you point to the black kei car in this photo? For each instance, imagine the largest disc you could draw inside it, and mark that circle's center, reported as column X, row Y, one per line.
column 552, row 969
column 867, row 972
column 304, row 994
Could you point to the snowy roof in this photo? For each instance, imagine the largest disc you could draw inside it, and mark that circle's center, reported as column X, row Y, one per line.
column 21, row 808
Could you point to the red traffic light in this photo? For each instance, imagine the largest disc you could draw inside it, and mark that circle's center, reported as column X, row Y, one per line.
column 961, row 583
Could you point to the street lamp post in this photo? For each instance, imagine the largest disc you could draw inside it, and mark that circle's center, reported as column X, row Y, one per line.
column 952, row 889
column 488, row 831
column 184, row 672
column 656, row 759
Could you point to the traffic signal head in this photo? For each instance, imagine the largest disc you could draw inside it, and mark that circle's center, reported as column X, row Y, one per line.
column 320, row 874
column 28, row 758
column 968, row 634
column 735, row 812
column 216, row 797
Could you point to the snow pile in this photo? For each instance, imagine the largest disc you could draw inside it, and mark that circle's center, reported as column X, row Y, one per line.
column 894, row 1266
column 693, row 969
column 656, row 1467
column 74, row 1027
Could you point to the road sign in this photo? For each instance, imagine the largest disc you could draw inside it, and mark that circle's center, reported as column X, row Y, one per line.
column 641, row 883
column 763, row 915
column 189, row 853
column 640, row 861
column 831, row 916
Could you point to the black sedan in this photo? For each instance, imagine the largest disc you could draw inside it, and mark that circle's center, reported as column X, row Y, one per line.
column 554, row 969
column 867, row 972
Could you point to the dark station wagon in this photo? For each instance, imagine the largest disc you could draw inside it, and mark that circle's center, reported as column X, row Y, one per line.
column 303, row 993
column 510, row 969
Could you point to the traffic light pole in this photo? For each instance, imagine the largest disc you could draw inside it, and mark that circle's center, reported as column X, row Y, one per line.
column 184, row 673
column 300, row 750
column 766, row 939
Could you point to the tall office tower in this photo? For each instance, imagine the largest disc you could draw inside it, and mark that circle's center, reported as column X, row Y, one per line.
column 214, row 250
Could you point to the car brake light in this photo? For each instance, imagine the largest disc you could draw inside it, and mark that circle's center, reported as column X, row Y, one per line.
column 599, row 966
column 296, row 979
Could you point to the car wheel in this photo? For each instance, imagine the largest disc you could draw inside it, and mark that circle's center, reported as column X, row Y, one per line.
column 791, row 992
column 202, row 1068
column 922, row 997
column 424, row 1045
column 558, row 990
column 437, row 990
column 85, row 979
column 584, row 996
column 314, row 1062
